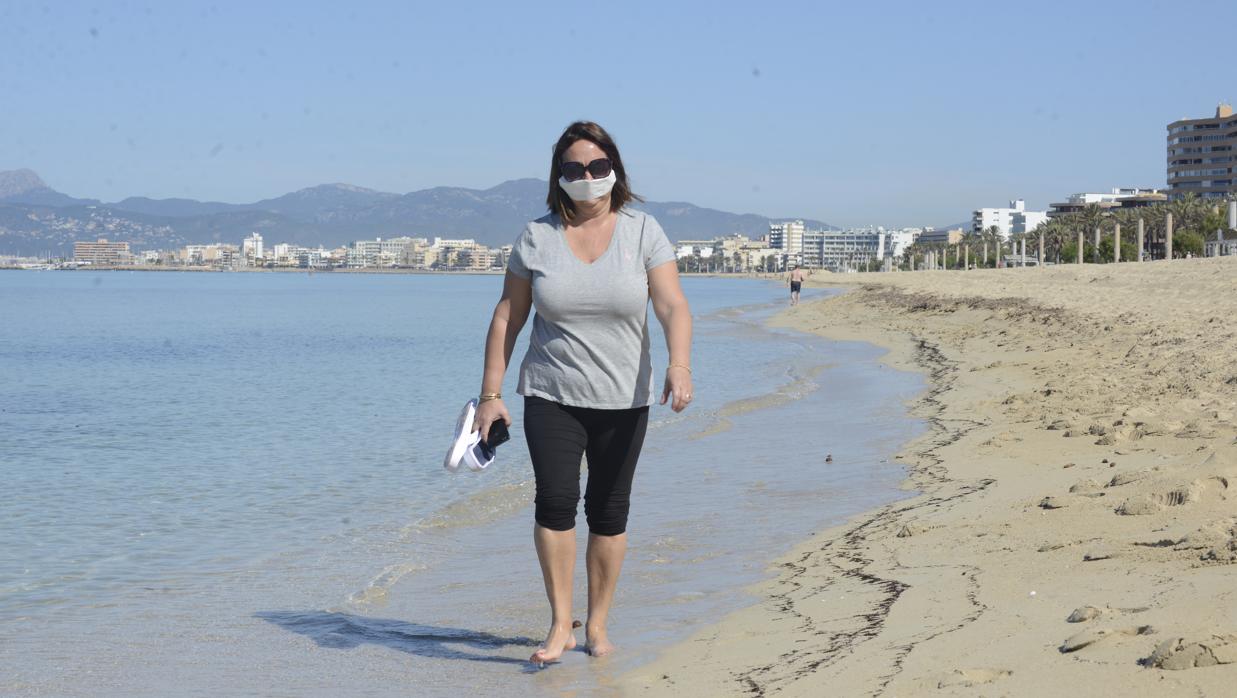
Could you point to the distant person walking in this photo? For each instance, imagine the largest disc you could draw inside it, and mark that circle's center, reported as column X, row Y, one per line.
column 590, row 268
column 795, row 280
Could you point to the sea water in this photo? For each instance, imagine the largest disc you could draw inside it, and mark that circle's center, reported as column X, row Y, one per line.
column 232, row 484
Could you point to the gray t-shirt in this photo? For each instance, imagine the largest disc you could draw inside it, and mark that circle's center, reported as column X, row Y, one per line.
column 590, row 341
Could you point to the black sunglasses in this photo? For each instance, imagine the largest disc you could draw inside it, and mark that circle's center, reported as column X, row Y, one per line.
column 599, row 168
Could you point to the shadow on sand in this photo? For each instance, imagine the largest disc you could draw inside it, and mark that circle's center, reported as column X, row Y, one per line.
column 345, row 631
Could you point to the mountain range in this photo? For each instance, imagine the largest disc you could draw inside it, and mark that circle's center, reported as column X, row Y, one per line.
column 36, row 219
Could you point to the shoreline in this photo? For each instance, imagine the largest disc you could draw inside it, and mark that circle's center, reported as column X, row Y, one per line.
column 1037, row 380
column 359, row 270
column 273, row 270
column 653, row 564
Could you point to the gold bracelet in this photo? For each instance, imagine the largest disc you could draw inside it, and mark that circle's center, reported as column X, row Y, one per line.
column 485, row 397
column 683, row 366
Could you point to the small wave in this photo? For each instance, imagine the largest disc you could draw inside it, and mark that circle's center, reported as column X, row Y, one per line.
column 481, row 507
column 375, row 593
column 799, row 386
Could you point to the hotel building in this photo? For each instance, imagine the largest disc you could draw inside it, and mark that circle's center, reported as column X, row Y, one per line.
column 1012, row 220
column 787, row 236
column 102, row 252
column 1200, row 155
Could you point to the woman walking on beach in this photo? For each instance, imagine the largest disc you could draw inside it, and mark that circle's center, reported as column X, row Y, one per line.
column 589, row 268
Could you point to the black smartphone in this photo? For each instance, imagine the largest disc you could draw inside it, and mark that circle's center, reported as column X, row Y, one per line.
column 498, row 434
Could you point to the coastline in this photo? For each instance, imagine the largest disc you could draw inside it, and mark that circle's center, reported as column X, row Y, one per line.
column 375, row 598
column 274, row 270
column 682, row 569
column 361, row 270
column 1080, row 465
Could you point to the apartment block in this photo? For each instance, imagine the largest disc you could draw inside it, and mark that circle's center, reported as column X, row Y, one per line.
column 1200, row 155
column 1014, row 219
column 102, row 252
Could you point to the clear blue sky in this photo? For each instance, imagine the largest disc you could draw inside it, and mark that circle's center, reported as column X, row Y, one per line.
column 895, row 113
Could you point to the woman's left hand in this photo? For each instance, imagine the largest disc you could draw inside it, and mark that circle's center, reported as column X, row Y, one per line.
column 678, row 383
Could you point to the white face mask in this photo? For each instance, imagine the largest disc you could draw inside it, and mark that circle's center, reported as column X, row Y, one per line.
column 588, row 189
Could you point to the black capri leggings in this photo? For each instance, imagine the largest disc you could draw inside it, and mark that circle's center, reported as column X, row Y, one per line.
column 557, row 436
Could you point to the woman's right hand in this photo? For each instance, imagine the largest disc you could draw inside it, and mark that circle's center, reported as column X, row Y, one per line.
column 489, row 412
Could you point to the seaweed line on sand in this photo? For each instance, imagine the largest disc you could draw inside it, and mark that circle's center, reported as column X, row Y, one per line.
column 844, row 555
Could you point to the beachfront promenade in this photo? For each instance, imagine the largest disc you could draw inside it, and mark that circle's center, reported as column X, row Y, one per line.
column 1069, row 527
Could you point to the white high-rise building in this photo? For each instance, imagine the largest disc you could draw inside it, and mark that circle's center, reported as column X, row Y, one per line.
column 1028, row 221
column 251, row 248
column 787, row 236
column 896, row 241
column 1015, row 219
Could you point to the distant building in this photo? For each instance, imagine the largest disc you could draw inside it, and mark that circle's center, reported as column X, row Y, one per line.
column 251, row 249
column 1201, row 155
column 102, row 252
column 152, row 257
column 1149, row 198
column 1015, row 219
column 379, row 252
column 811, row 253
column 1028, row 221
column 216, row 255
column 307, row 258
column 787, row 236
column 896, row 241
column 843, row 250
column 952, row 236
column 1115, row 199
column 464, row 254
column 694, row 248
column 284, row 254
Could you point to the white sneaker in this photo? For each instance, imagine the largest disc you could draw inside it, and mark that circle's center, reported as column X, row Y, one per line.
column 465, row 438
column 479, row 456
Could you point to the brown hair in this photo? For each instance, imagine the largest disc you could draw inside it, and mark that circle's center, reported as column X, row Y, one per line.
column 557, row 200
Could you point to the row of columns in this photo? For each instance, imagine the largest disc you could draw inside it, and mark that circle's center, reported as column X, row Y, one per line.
column 930, row 260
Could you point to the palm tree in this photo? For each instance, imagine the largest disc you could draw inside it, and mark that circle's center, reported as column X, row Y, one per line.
column 991, row 236
column 1213, row 221
column 1056, row 235
column 971, row 239
column 1092, row 217
column 997, row 240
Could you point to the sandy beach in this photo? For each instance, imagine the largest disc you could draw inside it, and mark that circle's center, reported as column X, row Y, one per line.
column 1070, row 525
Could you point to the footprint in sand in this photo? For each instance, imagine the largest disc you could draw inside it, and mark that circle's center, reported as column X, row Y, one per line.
column 1087, row 488
column 1102, row 552
column 962, row 678
column 1082, row 614
column 1089, row 637
column 1178, row 653
column 1172, row 496
column 913, row 528
column 1133, row 476
column 1055, row 502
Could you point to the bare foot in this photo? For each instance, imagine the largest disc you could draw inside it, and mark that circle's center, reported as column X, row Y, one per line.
column 597, row 644
column 560, row 639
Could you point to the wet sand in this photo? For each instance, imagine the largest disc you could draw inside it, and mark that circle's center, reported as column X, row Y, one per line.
column 1075, row 522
